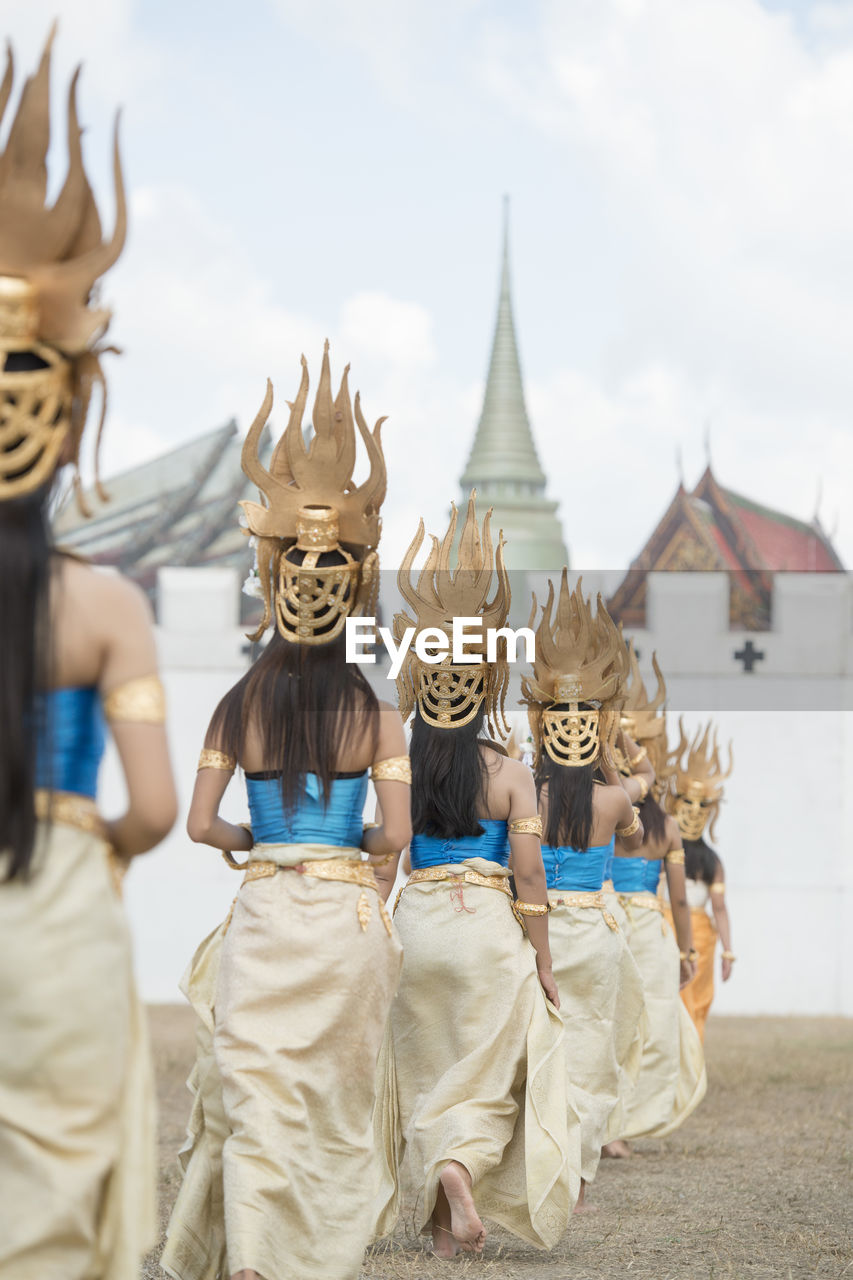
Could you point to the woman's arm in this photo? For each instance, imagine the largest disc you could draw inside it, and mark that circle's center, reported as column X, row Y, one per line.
column 676, row 886
column 721, row 919
column 135, row 709
column 204, row 824
column 639, row 784
column 627, row 826
column 529, row 873
column 384, row 842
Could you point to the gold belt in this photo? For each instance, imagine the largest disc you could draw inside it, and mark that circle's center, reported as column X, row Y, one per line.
column 74, row 810
column 583, row 898
column 344, row 870
column 650, row 903
column 607, row 887
column 467, row 876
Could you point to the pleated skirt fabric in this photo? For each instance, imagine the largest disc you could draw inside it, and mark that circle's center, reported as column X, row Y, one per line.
column 476, row 1059
column 77, row 1115
column 281, row 1169
column 602, row 1007
column 671, row 1081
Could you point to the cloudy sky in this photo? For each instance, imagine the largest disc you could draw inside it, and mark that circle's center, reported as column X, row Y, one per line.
column 681, row 175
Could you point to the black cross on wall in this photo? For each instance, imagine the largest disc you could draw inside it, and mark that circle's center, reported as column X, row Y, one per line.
column 749, row 655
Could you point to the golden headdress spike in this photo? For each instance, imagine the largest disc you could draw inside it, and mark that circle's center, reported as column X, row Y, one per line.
column 698, row 782
column 580, row 666
column 50, row 259
column 451, row 694
column 313, row 511
column 644, row 718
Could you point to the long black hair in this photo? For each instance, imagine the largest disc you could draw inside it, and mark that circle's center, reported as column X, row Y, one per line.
column 449, row 775
column 569, row 802
column 307, row 702
column 700, row 861
column 653, row 819
column 25, row 667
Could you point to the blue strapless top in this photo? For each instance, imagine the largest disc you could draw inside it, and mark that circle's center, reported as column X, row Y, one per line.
column 636, row 875
column 70, row 740
column 311, row 821
column 573, row 870
column 432, row 851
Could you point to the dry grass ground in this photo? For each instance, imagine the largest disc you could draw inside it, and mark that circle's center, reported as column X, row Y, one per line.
column 758, row 1184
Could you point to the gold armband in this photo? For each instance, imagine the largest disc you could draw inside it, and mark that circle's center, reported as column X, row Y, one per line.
column 644, row 787
column 639, row 757
column 531, row 908
column 622, row 832
column 394, row 769
column 675, row 857
column 526, row 827
column 139, row 701
column 210, row 759
column 718, row 887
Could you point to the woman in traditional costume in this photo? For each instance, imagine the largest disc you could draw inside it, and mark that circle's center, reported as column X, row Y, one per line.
column 695, row 805
column 477, row 1039
column 293, row 989
column 671, row 1081
column 573, row 704
column 77, row 1126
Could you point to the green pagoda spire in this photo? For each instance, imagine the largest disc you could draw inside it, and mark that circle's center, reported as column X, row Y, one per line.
column 503, row 465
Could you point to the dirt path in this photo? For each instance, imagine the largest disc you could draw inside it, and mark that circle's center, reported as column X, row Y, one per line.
column 758, row 1184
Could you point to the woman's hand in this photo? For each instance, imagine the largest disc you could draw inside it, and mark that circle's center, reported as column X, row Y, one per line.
column 688, row 972
column 727, row 968
column 549, row 986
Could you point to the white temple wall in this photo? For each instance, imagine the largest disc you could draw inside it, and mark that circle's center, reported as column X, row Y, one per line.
column 785, row 832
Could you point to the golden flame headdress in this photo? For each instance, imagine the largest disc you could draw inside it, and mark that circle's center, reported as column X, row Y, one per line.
column 50, row 258
column 580, row 666
column 698, row 788
column 450, row 694
column 314, row 510
column 644, row 719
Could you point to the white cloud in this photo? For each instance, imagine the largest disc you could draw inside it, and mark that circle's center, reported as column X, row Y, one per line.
column 720, row 138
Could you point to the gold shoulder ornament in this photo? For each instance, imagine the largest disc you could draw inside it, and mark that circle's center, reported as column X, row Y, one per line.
column 526, row 827
column 675, row 857
column 394, row 769
column 633, row 826
column 138, row 701
column 210, row 759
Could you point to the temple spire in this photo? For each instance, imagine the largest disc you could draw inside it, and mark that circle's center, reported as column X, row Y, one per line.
column 503, row 464
column 503, row 447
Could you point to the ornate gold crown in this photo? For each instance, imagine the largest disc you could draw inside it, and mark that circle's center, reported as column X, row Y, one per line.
column 313, row 509
column 581, row 662
column 50, row 258
column 698, row 788
column 450, row 694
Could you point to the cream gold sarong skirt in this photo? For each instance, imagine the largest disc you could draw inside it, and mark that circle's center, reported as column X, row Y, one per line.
column 672, row 1080
column 602, row 1007
column 478, row 1056
column 280, row 1167
column 77, row 1121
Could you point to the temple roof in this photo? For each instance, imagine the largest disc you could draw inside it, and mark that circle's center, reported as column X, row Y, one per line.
column 178, row 509
column 714, row 528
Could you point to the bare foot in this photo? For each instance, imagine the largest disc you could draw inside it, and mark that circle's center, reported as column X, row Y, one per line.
column 582, row 1205
column 443, row 1243
column 617, row 1150
column 464, row 1220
